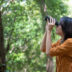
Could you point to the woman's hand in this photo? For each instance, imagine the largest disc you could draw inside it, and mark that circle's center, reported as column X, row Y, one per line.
column 50, row 25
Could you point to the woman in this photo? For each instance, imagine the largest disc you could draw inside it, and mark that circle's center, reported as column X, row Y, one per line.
column 62, row 49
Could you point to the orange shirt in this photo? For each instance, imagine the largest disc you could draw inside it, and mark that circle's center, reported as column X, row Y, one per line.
column 63, row 53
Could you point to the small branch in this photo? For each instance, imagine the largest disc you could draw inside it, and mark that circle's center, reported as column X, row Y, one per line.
column 10, row 37
column 5, row 8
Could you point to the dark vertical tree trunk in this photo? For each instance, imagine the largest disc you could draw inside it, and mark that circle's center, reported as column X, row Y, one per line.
column 2, row 49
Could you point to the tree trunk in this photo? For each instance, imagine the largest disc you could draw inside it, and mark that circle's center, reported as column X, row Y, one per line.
column 49, row 65
column 42, row 5
column 2, row 49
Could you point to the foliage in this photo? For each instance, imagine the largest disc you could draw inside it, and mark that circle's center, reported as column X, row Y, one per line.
column 22, row 21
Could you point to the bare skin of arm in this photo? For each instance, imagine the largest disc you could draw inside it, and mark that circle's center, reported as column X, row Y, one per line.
column 49, row 28
column 46, row 42
column 43, row 44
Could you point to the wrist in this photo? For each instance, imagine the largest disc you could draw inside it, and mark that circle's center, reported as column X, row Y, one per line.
column 48, row 31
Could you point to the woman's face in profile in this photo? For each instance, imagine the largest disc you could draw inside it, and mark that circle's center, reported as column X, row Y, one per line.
column 59, row 30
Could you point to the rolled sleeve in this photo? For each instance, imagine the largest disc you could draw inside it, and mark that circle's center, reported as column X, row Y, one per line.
column 63, row 49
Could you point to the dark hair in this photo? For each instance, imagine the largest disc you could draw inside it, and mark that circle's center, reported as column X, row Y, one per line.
column 66, row 24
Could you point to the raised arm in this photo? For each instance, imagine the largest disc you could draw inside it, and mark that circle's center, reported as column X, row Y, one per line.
column 43, row 44
column 49, row 27
column 46, row 42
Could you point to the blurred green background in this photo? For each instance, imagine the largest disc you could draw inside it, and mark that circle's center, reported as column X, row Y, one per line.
column 24, row 26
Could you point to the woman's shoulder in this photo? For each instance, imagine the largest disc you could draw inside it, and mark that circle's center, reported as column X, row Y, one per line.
column 56, row 43
column 68, row 40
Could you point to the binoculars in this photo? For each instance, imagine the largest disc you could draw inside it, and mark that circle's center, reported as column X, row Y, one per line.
column 56, row 22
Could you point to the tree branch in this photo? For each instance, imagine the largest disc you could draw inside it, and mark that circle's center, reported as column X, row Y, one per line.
column 10, row 37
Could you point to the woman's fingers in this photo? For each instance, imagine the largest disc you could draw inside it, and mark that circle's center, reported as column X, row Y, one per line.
column 50, row 24
column 47, row 20
column 52, row 21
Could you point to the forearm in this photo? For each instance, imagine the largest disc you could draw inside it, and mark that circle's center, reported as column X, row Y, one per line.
column 43, row 44
column 48, row 42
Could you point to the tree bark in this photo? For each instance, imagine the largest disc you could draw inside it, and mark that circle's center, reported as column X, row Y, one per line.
column 2, row 49
column 42, row 5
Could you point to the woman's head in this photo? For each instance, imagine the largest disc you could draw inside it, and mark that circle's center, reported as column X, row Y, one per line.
column 65, row 27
